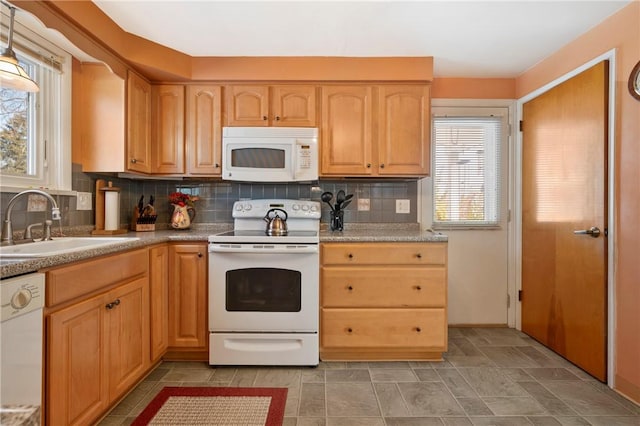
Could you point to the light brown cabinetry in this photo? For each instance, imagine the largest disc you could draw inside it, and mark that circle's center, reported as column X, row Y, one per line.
column 279, row 105
column 188, row 300
column 138, row 123
column 187, row 129
column 381, row 130
column 98, row 344
column 159, row 300
column 167, row 128
column 383, row 301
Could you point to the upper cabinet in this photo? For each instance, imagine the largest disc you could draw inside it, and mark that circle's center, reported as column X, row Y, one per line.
column 138, row 124
column 114, row 121
column 186, row 129
column 280, row 105
column 388, row 136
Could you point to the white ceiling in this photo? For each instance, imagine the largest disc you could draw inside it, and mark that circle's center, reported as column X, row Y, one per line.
column 466, row 38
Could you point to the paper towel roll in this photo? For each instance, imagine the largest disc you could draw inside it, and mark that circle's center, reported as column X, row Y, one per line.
column 111, row 210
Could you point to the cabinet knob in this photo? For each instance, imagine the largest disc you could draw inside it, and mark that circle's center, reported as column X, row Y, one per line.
column 418, row 329
column 264, row 118
column 418, row 288
column 349, row 330
column 350, row 256
column 368, row 165
column 199, row 254
column 133, row 160
column 277, row 118
column 419, row 256
column 382, row 166
column 350, row 288
column 217, row 166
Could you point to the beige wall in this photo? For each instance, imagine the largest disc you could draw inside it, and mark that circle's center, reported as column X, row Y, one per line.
column 621, row 32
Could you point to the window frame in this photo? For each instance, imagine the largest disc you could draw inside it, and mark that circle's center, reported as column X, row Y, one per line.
column 501, row 204
column 52, row 115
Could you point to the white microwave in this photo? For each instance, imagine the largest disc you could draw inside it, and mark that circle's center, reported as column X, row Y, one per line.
column 270, row 154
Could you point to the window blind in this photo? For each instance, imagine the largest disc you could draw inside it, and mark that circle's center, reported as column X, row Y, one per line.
column 467, row 171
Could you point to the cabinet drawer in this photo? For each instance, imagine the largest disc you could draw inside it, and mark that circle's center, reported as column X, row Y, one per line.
column 384, row 287
column 83, row 278
column 384, row 254
column 383, row 328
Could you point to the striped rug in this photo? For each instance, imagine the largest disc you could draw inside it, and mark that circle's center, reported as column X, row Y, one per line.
column 215, row 406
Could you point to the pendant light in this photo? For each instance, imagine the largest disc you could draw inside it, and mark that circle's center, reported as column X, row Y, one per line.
column 12, row 75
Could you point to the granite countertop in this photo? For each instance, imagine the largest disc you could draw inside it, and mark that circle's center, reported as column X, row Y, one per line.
column 200, row 232
column 20, row 415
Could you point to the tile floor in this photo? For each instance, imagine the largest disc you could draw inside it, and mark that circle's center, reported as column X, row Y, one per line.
column 490, row 376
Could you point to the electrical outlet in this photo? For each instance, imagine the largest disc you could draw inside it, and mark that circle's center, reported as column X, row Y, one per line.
column 364, row 204
column 403, row 206
column 36, row 203
column 83, row 201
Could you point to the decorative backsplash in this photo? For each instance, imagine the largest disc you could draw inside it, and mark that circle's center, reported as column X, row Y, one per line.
column 217, row 198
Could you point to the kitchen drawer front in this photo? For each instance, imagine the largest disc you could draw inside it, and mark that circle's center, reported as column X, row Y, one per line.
column 384, row 287
column 83, row 278
column 384, row 253
column 383, row 328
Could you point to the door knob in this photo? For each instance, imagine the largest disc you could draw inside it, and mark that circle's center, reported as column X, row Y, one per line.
column 594, row 232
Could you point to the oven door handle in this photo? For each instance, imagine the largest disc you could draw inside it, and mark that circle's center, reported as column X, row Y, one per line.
column 257, row 249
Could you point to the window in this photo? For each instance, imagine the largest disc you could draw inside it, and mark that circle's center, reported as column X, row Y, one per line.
column 467, row 172
column 35, row 143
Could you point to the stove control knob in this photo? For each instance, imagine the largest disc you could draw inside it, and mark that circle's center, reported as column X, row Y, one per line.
column 314, row 208
column 295, row 207
column 238, row 207
column 305, row 208
column 248, row 206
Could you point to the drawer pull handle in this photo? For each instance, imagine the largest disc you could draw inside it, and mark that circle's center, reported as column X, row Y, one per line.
column 350, row 256
column 264, row 118
column 350, row 288
column 418, row 288
column 277, row 118
column 349, row 330
column 418, row 329
column 112, row 304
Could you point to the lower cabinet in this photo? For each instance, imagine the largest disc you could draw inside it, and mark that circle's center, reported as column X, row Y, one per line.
column 97, row 347
column 159, row 300
column 383, row 301
column 188, row 327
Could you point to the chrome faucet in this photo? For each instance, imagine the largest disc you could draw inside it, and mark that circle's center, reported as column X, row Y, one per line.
column 7, row 229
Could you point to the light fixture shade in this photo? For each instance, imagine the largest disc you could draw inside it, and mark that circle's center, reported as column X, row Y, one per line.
column 13, row 76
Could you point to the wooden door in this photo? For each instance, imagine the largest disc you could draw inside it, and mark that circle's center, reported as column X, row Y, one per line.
column 138, row 124
column 188, row 326
column 204, row 130
column 564, row 184
column 77, row 383
column 167, row 129
column 247, row 105
column 346, row 144
column 159, row 300
column 404, row 130
column 128, row 322
column 293, row 106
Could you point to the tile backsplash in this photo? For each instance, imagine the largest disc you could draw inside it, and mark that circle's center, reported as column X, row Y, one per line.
column 217, row 198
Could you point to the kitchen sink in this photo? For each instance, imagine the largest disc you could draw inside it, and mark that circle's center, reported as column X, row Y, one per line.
column 62, row 245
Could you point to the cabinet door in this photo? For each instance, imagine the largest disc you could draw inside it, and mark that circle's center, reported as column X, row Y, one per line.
column 346, row 130
column 127, row 312
column 293, row 106
column 204, row 130
column 188, row 296
column 404, row 130
column 167, row 129
column 247, row 105
column 159, row 300
column 138, row 124
column 77, row 382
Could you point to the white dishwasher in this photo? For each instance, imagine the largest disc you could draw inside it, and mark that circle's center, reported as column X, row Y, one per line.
column 21, row 336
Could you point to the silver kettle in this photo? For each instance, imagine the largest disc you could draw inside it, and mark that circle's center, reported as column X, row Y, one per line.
column 276, row 225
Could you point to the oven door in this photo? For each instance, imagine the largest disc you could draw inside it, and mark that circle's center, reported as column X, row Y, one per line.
column 263, row 288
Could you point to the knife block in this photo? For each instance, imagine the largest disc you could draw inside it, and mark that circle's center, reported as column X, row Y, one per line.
column 101, row 188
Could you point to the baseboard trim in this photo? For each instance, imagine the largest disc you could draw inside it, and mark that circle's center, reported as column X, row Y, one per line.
column 629, row 390
column 479, row 325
